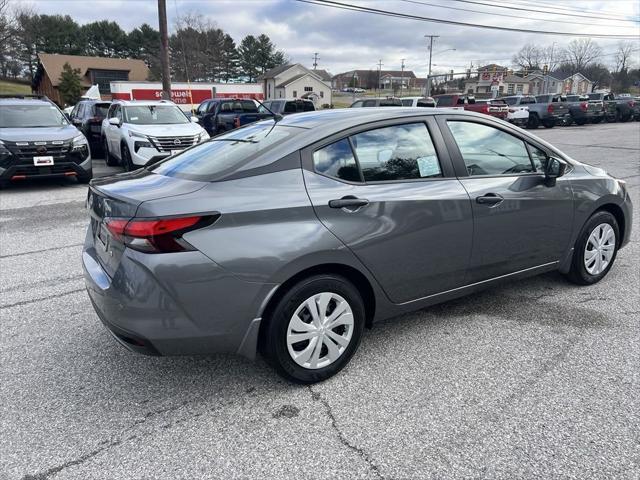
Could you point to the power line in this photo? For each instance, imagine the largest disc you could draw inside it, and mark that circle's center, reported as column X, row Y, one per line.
column 611, row 16
column 512, row 7
column 387, row 13
column 507, row 15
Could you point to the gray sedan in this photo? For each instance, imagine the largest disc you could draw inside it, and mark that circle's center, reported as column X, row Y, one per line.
column 291, row 237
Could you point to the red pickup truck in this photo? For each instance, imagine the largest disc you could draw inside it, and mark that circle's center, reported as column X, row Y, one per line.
column 467, row 102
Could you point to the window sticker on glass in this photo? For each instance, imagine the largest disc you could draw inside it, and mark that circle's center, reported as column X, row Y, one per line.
column 428, row 166
column 134, row 118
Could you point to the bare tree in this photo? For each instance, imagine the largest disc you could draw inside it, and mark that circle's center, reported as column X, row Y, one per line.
column 528, row 57
column 580, row 53
column 551, row 56
column 624, row 56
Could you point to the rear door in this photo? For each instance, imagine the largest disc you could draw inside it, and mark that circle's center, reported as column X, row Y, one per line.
column 520, row 221
column 389, row 193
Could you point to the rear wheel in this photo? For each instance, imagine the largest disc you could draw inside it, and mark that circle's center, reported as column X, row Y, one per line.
column 595, row 250
column 549, row 123
column 596, row 120
column 315, row 329
column 534, row 121
column 581, row 121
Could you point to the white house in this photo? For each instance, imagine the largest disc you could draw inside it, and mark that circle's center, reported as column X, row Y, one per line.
column 297, row 81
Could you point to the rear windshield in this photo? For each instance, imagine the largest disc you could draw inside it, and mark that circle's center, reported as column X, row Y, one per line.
column 595, row 96
column 241, row 106
column 101, row 109
column 426, row 102
column 26, row 116
column 225, row 153
column 446, row 101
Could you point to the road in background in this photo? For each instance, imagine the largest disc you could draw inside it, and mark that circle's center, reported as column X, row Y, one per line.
column 536, row 379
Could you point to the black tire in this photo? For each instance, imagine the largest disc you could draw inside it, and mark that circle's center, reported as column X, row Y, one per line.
column 86, row 178
column 578, row 273
column 596, row 120
column 534, row 121
column 581, row 121
column 126, row 159
column 273, row 341
column 4, row 184
column 549, row 123
column 108, row 158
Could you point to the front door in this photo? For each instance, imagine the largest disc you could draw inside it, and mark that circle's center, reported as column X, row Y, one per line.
column 520, row 221
column 391, row 197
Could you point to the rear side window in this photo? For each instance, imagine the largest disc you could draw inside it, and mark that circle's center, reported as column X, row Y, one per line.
column 308, row 107
column 337, row 160
column 290, row 107
column 390, row 103
column 226, row 153
column 489, row 151
column 369, row 103
column 399, row 152
column 407, row 103
column 101, row 109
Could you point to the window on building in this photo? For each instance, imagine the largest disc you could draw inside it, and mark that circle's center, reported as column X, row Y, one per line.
column 519, row 88
column 510, row 88
column 269, row 94
column 295, row 94
column 321, row 94
column 103, row 78
column 308, row 89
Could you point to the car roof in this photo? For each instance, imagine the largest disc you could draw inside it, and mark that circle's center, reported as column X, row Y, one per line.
column 24, row 101
column 143, row 103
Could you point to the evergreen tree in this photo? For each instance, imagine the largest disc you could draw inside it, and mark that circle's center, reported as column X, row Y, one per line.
column 230, row 67
column 104, row 39
column 69, row 87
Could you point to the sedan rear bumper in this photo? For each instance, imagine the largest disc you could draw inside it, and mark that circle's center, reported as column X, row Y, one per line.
column 175, row 303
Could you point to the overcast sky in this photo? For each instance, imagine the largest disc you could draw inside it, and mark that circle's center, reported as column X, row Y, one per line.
column 347, row 40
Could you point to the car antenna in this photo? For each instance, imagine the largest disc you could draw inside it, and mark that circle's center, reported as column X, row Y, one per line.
column 276, row 116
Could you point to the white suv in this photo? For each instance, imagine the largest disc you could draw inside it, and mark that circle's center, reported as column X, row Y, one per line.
column 139, row 132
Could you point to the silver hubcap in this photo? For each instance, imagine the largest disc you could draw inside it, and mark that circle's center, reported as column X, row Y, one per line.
column 599, row 249
column 320, row 330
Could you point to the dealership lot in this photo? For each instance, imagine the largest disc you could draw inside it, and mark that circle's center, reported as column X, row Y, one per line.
column 538, row 378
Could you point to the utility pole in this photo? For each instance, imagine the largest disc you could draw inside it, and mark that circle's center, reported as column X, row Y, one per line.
column 431, row 37
column 401, row 76
column 315, row 60
column 164, row 50
column 379, row 73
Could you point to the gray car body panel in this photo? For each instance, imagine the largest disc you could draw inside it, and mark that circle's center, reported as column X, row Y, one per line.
column 415, row 243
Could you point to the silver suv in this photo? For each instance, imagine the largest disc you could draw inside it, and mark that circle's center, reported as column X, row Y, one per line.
column 37, row 140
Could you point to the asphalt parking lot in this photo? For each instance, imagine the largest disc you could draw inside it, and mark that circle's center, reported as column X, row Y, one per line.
column 536, row 379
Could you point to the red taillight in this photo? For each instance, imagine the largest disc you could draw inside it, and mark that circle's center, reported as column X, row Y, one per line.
column 160, row 235
column 550, row 108
column 632, row 103
column 236, row 122
column 584, row 106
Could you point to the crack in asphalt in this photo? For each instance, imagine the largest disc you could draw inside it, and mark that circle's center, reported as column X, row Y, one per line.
column 41, row 251
column 110, row 444
column 49, row 297
column 341, row 437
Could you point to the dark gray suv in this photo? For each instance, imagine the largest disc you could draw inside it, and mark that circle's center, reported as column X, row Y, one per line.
column 291, row 237
column 37, row 140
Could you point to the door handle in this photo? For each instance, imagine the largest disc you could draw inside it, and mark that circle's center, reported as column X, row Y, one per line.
column 489, row 199
column 348, row 202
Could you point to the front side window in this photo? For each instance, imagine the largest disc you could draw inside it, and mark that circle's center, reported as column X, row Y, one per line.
column 445, row 101
column 357, row 104
column 27, row 116
column 407, row 103
column 154, row 115
column 369, row 103
column 489, row 151
column 399, row 152
column 337, row 160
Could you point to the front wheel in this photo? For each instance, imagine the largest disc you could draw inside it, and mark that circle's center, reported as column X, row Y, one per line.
column 595, row 250
column 110, row 160
column 534, row 121
column 549, row 123
column 315, row 329
column 127, row 163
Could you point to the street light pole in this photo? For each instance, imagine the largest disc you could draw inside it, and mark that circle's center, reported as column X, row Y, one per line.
column 431, row 37
column 164, row 50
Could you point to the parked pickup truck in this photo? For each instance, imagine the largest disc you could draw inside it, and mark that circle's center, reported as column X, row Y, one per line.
column 583, row 111
column 467, row 102
column 222, row 114
column 546, row 110
column 517, row 114
column 620, row 108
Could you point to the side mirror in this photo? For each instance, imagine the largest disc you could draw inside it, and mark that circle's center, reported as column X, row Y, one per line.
column 194, row 119
column 114, row 121
column 555, row 168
